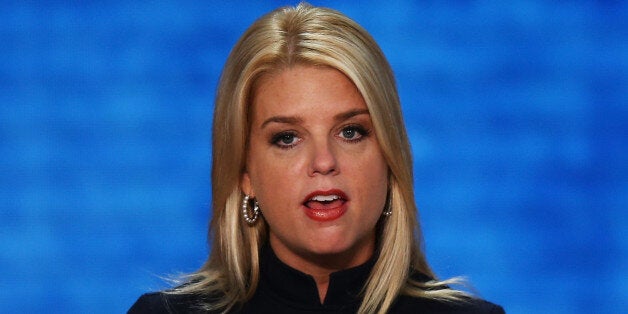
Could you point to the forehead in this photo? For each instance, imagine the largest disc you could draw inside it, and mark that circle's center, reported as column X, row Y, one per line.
column 303, row 88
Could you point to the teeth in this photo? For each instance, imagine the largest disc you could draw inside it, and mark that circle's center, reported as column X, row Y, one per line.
column 324, row 198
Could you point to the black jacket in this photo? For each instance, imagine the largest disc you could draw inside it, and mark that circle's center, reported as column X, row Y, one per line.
column 283, row 289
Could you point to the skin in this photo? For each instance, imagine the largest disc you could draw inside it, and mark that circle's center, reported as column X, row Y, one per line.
column 311, row 131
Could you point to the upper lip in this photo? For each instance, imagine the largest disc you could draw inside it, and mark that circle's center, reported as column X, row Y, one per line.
column 327, row 195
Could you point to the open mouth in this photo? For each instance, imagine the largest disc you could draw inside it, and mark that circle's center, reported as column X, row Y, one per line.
column 322, row 202
column 325, row 205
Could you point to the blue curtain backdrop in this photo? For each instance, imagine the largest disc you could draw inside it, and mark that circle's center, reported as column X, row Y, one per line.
column 517, row 113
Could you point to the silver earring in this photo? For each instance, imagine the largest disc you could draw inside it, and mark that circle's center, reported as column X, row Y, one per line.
column 245, row 210
column 388, row 209
column 387, row 212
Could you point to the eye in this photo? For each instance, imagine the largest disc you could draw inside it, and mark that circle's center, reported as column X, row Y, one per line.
column 285, row 139
column 353, row 133
column 349, row 133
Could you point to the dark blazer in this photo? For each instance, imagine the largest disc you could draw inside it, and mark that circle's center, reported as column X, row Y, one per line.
column 283, row 289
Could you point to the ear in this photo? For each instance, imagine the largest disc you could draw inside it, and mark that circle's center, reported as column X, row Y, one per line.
column 245, row 185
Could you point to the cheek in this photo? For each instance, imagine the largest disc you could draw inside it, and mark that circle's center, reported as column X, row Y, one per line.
column 377, row 186
column 374, row 179
column 273, row 179
column 370, row 162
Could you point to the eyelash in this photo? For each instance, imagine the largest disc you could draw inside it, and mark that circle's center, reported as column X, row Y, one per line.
column 362, row 134
column 281, row 135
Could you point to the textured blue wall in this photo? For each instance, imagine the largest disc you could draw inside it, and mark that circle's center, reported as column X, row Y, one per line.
column 517, row 112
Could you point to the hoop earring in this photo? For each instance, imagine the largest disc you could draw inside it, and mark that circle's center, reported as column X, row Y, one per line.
column 245, row 210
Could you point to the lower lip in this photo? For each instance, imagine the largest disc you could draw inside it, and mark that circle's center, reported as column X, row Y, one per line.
column 328, row 214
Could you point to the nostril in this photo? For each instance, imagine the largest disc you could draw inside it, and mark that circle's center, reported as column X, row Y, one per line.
column 323, row 160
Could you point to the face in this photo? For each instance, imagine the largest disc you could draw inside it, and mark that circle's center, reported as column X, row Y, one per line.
column 315, row 167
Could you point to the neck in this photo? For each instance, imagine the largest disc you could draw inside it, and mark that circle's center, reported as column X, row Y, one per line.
column 322, row 283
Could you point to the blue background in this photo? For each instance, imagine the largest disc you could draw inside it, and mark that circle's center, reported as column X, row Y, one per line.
column 517, row 112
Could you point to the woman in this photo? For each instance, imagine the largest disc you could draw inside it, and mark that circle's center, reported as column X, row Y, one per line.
column 313, row 205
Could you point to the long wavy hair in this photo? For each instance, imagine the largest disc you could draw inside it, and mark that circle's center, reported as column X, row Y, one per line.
column 322, row 37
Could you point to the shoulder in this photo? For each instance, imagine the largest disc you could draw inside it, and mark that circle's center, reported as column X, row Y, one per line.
column 409, row 304
column 471, row 305
column 162, row 303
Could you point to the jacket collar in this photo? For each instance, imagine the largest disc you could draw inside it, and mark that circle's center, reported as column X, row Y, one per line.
column 287, row 284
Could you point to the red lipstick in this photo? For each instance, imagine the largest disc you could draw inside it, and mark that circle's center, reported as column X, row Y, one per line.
column 325, row 205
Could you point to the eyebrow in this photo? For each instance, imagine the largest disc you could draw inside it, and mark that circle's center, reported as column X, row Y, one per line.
column 282, row 119
column 296, row 120
column 349, row 114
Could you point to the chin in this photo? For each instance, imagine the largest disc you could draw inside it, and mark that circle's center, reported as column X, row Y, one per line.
column 329, row 250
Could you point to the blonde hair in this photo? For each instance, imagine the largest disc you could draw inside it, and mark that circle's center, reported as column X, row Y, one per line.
column 323, row 37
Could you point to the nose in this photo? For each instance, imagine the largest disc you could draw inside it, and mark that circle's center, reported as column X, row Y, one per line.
column 323, row 159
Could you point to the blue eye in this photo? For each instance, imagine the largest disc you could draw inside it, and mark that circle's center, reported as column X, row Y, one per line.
column 349, row 133
column 353, row 133
column 285, row 139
